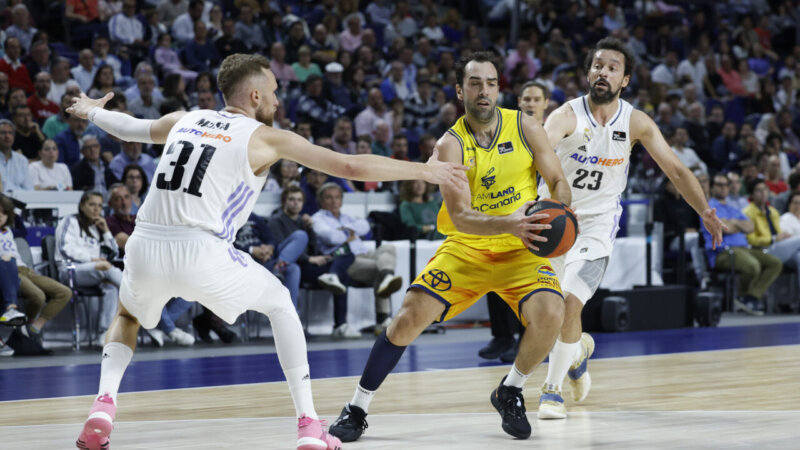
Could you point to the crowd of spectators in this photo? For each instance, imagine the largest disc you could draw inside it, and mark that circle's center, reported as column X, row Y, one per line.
column 721, row 80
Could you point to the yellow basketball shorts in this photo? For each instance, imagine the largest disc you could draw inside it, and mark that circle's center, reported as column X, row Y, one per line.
column 459, row 275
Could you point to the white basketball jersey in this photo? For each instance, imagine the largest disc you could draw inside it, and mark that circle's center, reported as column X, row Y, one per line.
column 204, row 179
column 595, row 159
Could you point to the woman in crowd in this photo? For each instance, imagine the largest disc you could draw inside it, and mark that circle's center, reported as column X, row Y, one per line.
column 83, row 239
column 9, row 257
column 103, row 82
column 304, row 67
column 175, row 88
column 287, row 173
column 135, row 180
column 418, row 210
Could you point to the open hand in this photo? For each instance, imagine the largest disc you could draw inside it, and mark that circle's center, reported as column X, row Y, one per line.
column 714, row 226
column 83, row 104
column 525, row 227
column 441, row 172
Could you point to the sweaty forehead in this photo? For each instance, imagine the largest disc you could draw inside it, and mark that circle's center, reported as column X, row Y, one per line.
column 482, row 70
column 609, row 57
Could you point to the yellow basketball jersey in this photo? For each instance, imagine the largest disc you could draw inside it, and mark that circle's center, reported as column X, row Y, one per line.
column 502, row 177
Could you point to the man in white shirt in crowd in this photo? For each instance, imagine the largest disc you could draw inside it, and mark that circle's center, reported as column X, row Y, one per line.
column 376, row 109
column 687, row 155
column 60, row 81
column 183, row 27
column 83, row 73
column 693, row 69
column 664, row 73
column 47, row 174
column 13, row 166
column 340, row 234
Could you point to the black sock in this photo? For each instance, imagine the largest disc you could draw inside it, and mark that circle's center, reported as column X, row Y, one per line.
column 382, row 359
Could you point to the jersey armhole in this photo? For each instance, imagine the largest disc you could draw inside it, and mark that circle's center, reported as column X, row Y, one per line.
column 522, row 134
column 460, row 142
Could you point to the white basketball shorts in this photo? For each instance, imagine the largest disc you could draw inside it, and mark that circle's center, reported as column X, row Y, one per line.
column 581, row 269
column 162, row 262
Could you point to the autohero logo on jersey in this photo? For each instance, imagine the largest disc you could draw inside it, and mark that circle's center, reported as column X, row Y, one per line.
column 507, row 196
column 596, row 161
column 206, row 134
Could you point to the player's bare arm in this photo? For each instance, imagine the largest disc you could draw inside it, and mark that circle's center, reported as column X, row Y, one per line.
column 123, row 126
column 547, row 162
column 646, row 132
column 279, row 144
column 458, row 201
column 560, row 124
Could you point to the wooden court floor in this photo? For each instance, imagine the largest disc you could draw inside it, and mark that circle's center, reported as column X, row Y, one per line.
column 744, row 398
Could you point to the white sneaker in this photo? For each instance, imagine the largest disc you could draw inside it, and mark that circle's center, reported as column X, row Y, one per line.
column 345, row 331
column 579, row 380
column 391, row 283
column 157, row 336
column 181, row 337
column 331, row 282
column 13, row 318
column 551, row 403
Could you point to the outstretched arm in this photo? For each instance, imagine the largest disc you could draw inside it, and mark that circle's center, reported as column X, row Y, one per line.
column 123, row 126
column 647, row 133
column 280, row 144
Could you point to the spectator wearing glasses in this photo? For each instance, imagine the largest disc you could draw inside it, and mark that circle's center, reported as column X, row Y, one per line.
column 757, row 269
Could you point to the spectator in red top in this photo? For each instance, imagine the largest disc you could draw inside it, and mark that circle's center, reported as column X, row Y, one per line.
column 11, row 65
column 774, row 176
column 40, row 105
column 730, row 77
column 84, row 19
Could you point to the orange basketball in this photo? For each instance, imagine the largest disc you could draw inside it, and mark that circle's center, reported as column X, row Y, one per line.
column 564, row 228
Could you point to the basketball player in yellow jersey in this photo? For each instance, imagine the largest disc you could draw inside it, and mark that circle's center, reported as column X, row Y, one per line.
column 486, row 248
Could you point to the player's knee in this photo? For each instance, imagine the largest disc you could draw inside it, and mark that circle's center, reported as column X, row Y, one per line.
column 546, row 311
column 572, row 306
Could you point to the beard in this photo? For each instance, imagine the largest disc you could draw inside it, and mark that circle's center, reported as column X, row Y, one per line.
column 602, row 98
column 264, row 116
column 483, row 116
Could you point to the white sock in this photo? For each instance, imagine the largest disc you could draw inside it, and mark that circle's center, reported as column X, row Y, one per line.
column 116, row 357
column 362, row 398
column 290, row 344
column 299, row 380
column 561, row 357
column 515, row 378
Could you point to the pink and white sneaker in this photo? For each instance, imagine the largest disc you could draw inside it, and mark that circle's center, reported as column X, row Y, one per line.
column 99, row 425
column 311, row 436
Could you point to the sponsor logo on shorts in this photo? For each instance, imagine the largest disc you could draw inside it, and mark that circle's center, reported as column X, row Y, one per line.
column 205, row 134
column 584, row 249
column 546, row 270
column 437, row 279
